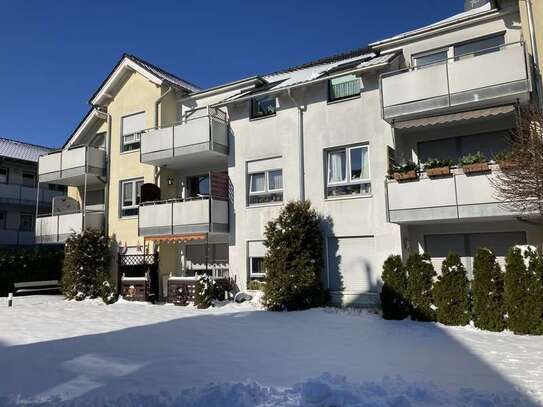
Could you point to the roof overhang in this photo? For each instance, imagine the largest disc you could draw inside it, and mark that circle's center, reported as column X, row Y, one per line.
column 91, row 118
column 123, row 67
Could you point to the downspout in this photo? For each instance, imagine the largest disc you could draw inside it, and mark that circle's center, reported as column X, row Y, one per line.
column 157, row 124
column 535, row 55
column 300, row 143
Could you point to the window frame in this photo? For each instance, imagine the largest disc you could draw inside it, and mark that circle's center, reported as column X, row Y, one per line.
column 136, row 134
column 354, row 95
column 251, row 273
column 483, row 51
column 348, row 181
column 423, row 54
column 7, row 175
column 27, row 173
column 267, row 191
column 135, row 203
column 31, row 221
column 255, row 100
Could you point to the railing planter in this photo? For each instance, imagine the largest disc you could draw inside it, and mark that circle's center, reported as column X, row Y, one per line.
column 405, row 176
column 438, row 172
column 475, row 168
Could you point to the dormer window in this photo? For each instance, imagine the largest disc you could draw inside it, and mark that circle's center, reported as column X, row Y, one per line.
column 262, row 106
column 343, row 87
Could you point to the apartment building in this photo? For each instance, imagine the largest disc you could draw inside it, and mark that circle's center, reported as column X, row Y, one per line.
column 19, row 195
column 195, row 174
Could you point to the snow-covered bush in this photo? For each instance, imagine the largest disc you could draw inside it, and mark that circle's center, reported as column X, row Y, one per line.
column 86, row 271
column 451, row 292
column 523, row 291
column 205, row 291
column 294, row 259
column 420, row 274
column 393, row 295
column 487, row 292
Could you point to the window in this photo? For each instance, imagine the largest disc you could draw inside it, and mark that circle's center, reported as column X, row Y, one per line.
column 343, row 87
column 266, row 186
column 4, row 175
column 26, row 222
column 262, row 106
column 29, row 180
column 198, row 186
column 257, row 251
column 56, row 187
column 3, row 216
column 99, row 140
column 131, row 127
column 130, row 197
column 431, row 58
column 479, row 47
column 348, row 171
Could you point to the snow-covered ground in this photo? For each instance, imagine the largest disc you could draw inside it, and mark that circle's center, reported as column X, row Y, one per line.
column 129, row 354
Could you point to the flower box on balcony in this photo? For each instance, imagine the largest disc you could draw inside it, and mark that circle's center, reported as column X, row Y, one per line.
column 475, row 168
column 438, row 172
column 405, row 176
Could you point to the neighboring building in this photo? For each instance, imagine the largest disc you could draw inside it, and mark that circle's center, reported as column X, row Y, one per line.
column 531, row 15
column 226, row 159
column 19, row 193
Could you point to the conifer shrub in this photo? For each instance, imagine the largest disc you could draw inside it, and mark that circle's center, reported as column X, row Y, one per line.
column 394, row 302
column 294, row 259
column 86, row 270
column 420, row 275
column 451, row 292
column 487, row 292
column 205, row 291
column 523, row 291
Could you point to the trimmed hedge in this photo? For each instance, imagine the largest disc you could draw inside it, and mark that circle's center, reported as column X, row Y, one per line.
column 32, row 264
column 420, row 275
column 394, row 292
column 451, row 292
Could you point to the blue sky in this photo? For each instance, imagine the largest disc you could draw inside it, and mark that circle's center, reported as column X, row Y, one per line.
column 54, row 54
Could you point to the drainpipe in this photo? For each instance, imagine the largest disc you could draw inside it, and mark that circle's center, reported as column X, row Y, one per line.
column 300, row 143
column 535, row 55
column 157, row 124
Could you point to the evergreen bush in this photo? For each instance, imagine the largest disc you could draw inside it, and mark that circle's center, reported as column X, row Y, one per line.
column 451, row 292
column 487, row 292
column 86, row 271
column 394, row 292
column 420, row 274
column 523, row 291
column 205, row 291
column 294, row 259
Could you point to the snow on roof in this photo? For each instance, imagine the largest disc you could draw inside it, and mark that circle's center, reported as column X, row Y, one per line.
column 453, row 19
column 283, row 80
column 21, row 151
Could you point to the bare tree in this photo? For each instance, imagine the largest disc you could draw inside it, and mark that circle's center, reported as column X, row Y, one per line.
column 520, row 183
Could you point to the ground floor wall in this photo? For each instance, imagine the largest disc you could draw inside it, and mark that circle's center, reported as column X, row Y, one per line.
column 17, row 224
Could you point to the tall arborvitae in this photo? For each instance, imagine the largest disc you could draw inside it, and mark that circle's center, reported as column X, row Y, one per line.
column 419, row 286
column 294, row 259
column 487, row 292
column 86, row 271
column 394, row 292
column 523, row 291
column 451, row 292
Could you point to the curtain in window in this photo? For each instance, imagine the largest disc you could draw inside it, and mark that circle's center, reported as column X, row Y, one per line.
column 258, row 182
column 127, row 194
column 275, row 179
column 336, row 166
column 344, row 86
column 138, row 192
column 365, row 163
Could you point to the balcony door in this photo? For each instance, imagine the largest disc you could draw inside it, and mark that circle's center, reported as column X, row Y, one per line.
column 198, row 186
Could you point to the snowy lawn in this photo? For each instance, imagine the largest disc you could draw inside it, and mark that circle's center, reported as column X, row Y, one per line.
column 129, row 354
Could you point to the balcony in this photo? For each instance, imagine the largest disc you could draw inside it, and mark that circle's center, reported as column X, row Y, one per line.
column 183, row 217
column 460, row 83
column 73, row 167
column 455, row 197
column 57, row 228
column 23, row 195
column 14, row 237
column 200, row 140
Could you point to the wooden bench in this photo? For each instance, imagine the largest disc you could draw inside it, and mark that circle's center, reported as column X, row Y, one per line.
column 33, row 287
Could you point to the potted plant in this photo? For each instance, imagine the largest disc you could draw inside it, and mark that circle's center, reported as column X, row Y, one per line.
column 474, row 163
column 404, row 172
column 437, row 168
column 505, row 160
